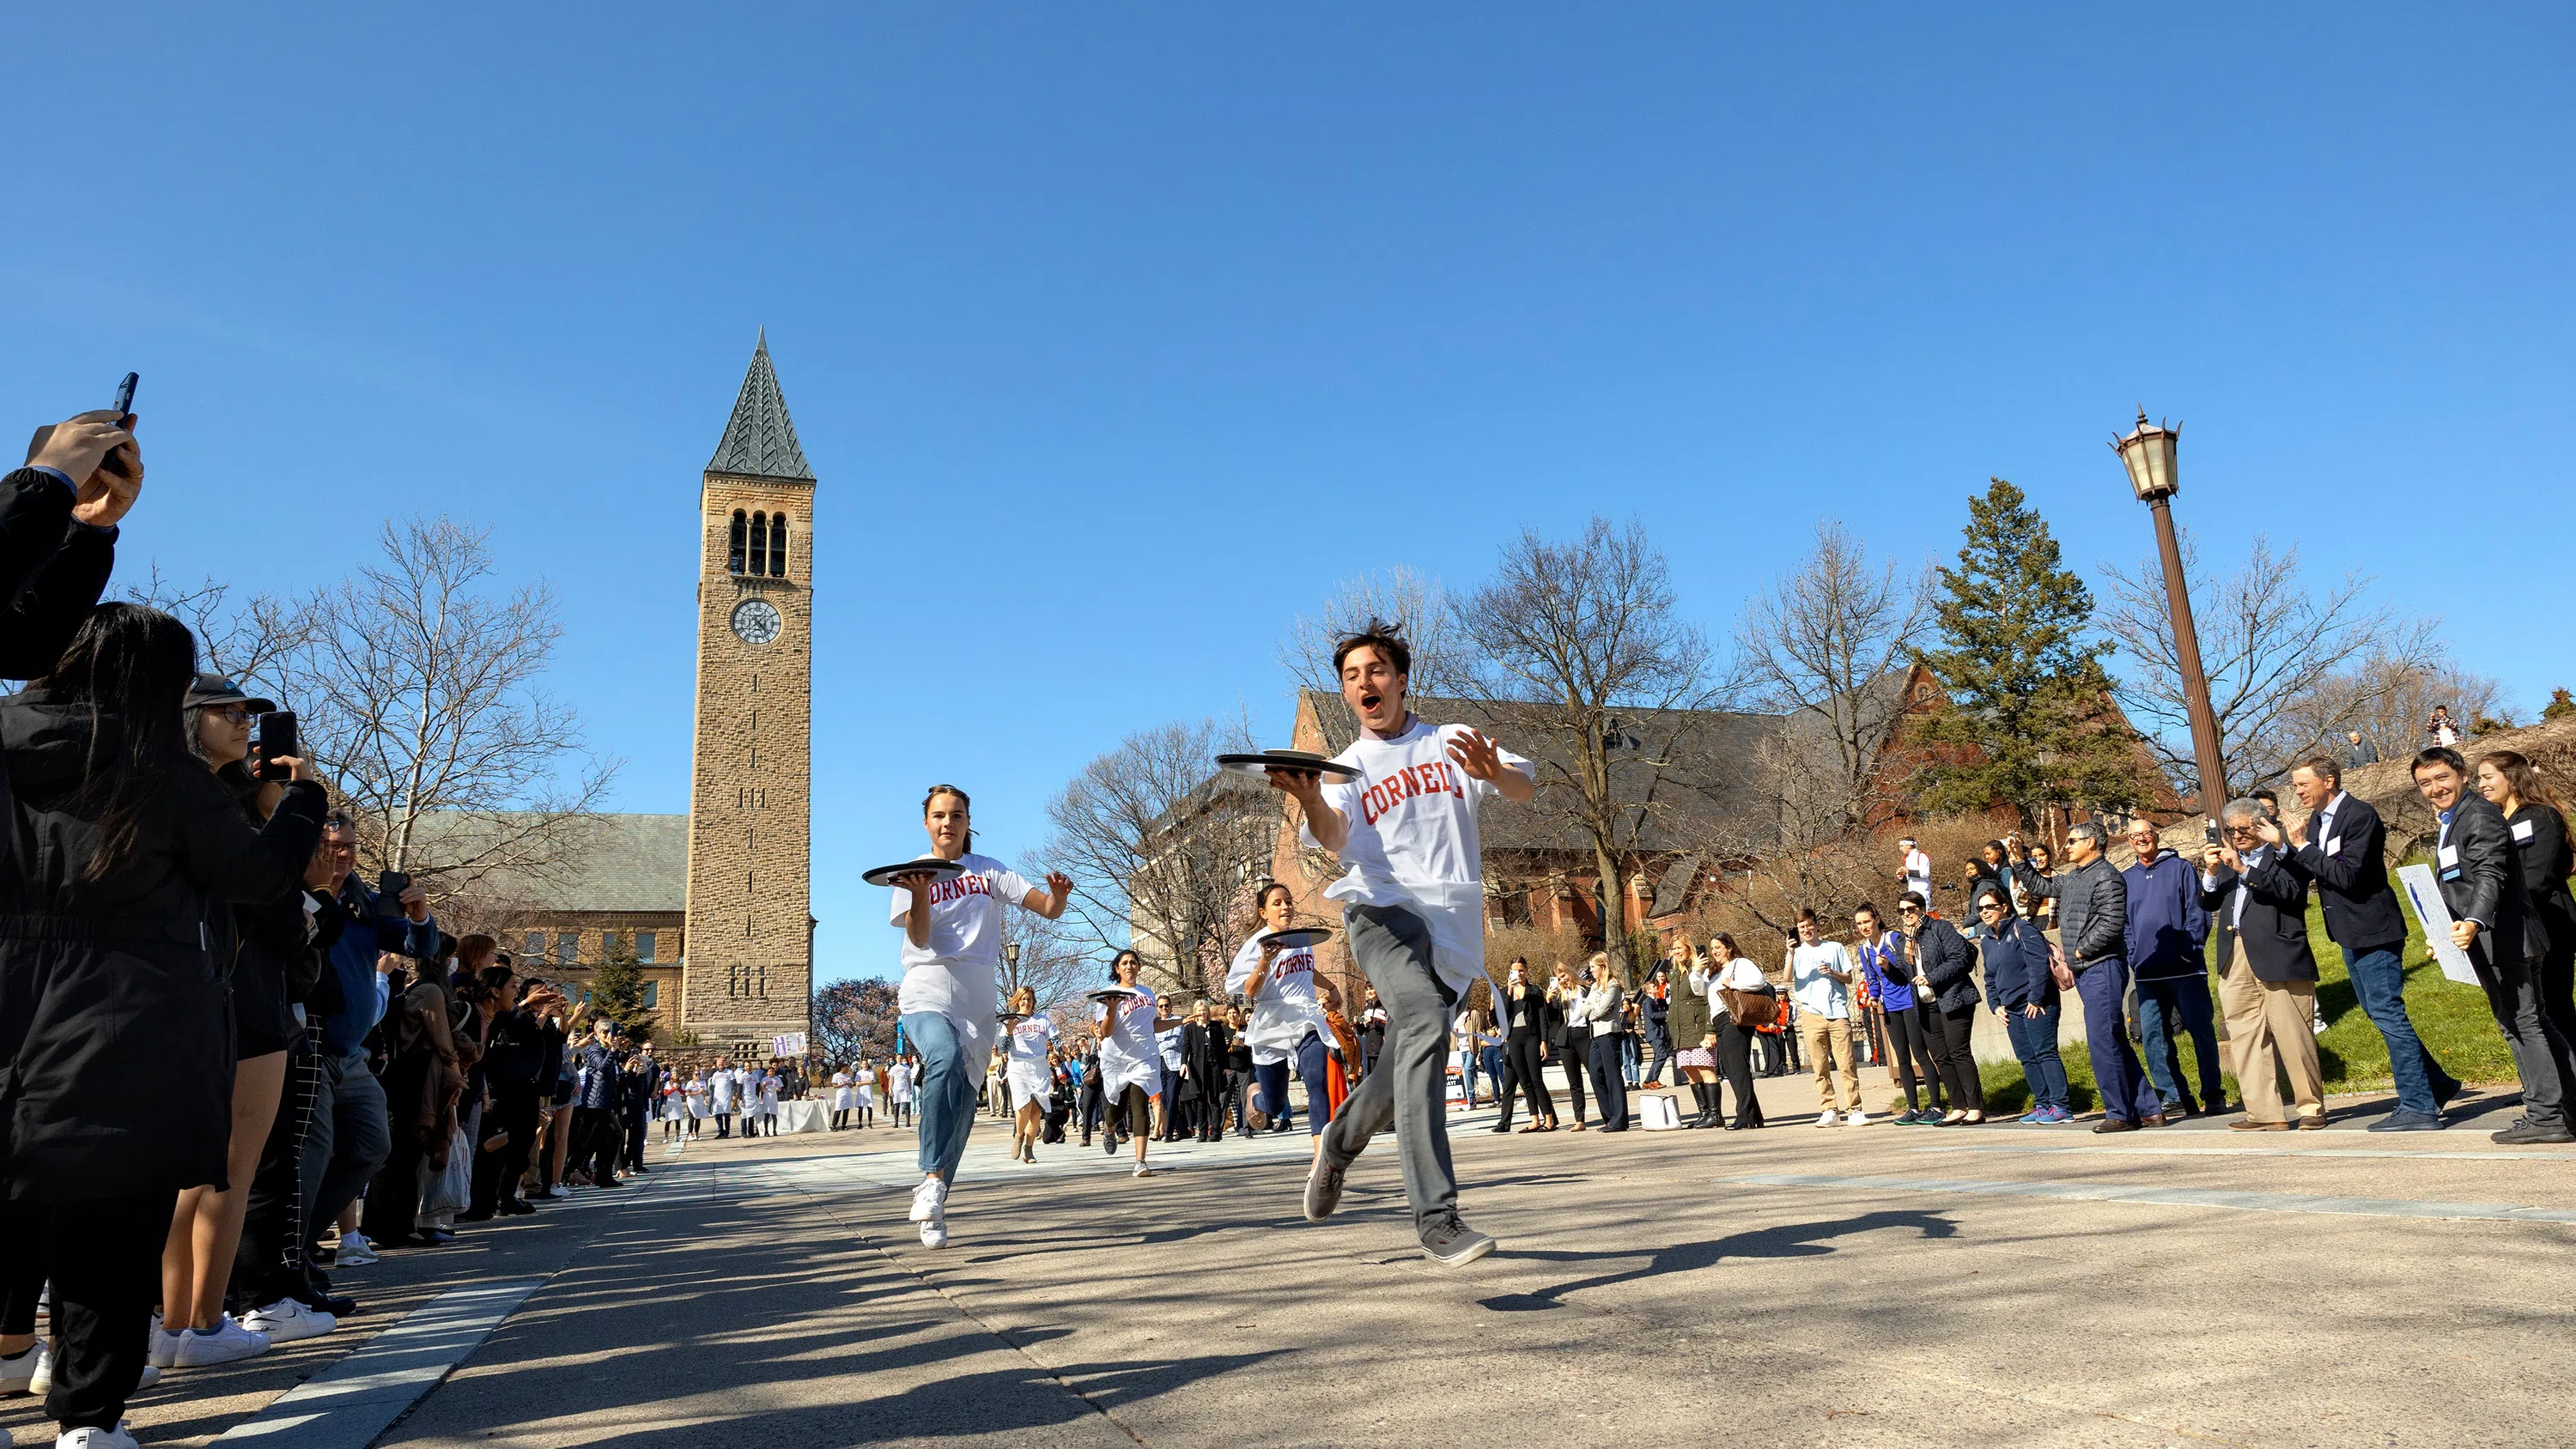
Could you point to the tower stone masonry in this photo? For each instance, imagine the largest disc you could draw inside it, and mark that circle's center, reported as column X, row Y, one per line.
column 748, row 973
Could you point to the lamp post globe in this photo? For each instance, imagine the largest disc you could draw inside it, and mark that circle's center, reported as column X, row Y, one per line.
column 2152, row 454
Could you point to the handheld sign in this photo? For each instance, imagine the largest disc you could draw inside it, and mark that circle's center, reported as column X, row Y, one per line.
column 1296, row 936
column 932, row 866
column 2435, row 914
column 1305, row 760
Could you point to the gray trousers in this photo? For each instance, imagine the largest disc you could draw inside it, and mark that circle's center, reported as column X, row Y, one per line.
column 1407, row 1087
column 2540, row 1056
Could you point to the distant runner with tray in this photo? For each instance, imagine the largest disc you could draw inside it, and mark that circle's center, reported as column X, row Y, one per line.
column 1413, row 907
column 1124, row 1018
column 948, row 905
column 1275, row 972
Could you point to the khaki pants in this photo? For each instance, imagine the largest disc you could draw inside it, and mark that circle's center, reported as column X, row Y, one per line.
column 1815, row 1033
column 2268, row 1033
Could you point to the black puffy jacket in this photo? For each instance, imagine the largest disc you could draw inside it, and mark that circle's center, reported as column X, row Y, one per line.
column 116, row 1021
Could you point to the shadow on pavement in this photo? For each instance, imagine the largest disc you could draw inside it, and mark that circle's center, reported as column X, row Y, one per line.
column 1793, row 1240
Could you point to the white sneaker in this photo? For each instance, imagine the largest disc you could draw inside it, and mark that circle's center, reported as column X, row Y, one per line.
column 1826, row 1119
column 161, row 1349
column 559, row 1190
column 934, row 1234
column 1856, row 1119
column 287, row 1320
column 229, row 1341
column 18, row 1375
column 43, row 1383
column 355, row 1251
column 115, row 1438
column 929, row 1201
column 1142, row 1171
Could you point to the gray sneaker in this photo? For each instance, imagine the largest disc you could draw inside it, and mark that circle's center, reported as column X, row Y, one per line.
column 1454, row 1244
column 1324, row 1188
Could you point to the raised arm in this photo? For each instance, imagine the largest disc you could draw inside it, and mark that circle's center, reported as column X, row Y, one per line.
column 1049, row 902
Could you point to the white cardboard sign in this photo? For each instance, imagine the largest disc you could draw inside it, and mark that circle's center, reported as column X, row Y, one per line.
column 2425, row 895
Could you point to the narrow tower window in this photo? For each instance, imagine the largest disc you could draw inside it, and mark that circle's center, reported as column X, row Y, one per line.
column 734, row 559
column 760, row 543
column 778, row 546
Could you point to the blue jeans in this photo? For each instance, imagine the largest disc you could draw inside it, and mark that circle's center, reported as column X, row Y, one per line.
column 944, row 1092
column 2379, row 982
column 1492, row 1056
column 2034, row 1041
column 1629, row 1058
column 2167, row 1009
column 1270, row 1085
column 351, row 1138
column 2126, row 1093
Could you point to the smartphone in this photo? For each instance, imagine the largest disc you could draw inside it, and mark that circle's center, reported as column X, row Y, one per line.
column 124, row 408
column 2209, row 831
column 275, row 741
column 390, row 885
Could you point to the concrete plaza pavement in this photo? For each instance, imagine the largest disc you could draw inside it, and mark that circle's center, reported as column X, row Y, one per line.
column 1852, row 1286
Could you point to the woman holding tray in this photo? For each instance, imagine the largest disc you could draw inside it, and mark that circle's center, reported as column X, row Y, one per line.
column 1125, row 1020
column 1031, row 1073
column 1287, row 1022
column 951, row 919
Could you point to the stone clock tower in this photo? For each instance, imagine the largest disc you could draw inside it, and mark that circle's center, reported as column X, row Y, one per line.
column 747, row 974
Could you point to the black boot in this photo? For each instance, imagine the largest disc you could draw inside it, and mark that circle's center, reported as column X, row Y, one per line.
column 1699, row 1094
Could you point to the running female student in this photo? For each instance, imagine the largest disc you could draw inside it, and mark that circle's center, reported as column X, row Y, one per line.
column 952, row 953
column 1413, row 904
column 1287, row 1024
column 1030, row 1075
column 1131, row 1061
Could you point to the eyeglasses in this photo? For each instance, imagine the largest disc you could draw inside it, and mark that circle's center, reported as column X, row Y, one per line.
column 231, row 714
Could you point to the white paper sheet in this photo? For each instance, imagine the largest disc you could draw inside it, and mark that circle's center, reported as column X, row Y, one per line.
column 2425, row 895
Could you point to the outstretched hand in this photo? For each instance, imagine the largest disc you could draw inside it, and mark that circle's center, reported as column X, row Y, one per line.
column 1478, row 755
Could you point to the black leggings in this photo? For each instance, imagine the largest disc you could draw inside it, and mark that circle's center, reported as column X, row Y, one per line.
column 1958, row 1066
column 1575, row 1056
column 1909, row 1042
column 1521, row 1064
column 1735, row 1059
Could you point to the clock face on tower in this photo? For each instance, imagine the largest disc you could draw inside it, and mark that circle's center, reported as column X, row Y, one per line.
column 755, row 621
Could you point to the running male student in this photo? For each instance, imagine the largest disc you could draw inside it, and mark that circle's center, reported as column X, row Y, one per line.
column 1413, row 906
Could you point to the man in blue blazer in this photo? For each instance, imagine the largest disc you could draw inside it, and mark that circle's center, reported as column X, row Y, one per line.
column 2343, row 847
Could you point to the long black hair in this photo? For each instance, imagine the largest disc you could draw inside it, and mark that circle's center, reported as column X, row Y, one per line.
column 132, row 667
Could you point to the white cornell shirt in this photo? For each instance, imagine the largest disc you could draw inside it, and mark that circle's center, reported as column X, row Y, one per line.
column 1286, row 1009
column 1413, row 841
column 957, row 974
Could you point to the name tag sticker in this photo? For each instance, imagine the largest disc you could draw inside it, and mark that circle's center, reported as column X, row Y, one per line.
column 2333, row 842
column 2449, row 856
column 2523, row 831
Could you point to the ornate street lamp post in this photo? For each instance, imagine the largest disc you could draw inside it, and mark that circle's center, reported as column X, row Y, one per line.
column 2151, row 456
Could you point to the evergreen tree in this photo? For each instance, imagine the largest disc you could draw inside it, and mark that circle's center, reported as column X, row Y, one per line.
column 2030, row 721
column 617, row 991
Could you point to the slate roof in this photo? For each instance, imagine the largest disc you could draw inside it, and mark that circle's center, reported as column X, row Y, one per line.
column 616, row 862
column 759, row 440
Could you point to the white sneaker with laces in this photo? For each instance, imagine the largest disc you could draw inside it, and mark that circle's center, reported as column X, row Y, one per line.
column 161, row 1348
column 1856, row 1119
column 115, row 1438
column 929, row 1201
column 1142, row 1171
column 1826, row 1119
column 934, row 1234
column 355, row 1251
column 229, row 1342
column 18, row 1375
column 287, row 1320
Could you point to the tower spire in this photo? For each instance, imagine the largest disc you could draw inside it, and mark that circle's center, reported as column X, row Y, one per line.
column 759, row 440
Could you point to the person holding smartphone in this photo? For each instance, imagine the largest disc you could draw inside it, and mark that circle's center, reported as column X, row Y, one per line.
column 58, row 522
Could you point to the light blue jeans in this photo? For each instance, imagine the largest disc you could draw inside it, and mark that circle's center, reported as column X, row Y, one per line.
column 945, row 1093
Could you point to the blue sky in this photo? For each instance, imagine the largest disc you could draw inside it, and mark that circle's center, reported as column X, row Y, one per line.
column 1116, row 334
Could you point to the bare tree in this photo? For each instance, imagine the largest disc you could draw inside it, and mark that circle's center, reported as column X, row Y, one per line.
column 419, row 686
column 1581, row 662
column 1828, row 647
column 2387, row 699
column 1053, row 958
column 2269, row 646
column 248, row 639
column 1163, row 849
column 1418, row 602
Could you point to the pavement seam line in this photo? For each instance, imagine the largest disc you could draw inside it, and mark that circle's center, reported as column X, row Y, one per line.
column 874, row 1245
